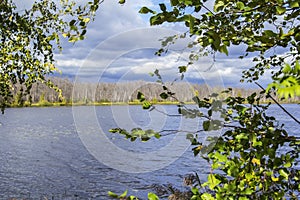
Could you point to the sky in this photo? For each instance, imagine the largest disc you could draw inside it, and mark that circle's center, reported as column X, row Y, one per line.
column 120, row 46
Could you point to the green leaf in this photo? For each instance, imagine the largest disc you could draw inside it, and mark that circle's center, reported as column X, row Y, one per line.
column 114, row 130
column 72, row 22
column 145, row 138
column 206, row 125
column 287, row 165
column 137, row 132
column 121, row 1
column 163, row 7
column 123, row 195
column 223, row 49
column 207, row 196
column 191, row 23
column 220, row 157
column 113, row 195
column 241, row 136
column 140, row 96
column 287, row 68
column 73, row 39
column 182, row 69
column 152, row 196
column 174, row 2
column 283, row 173
column 270, row 33
column 212, row 181
column 145, row 10
column 157, row 135
column 280, row 10
column 131, row 197
column 210, row 125
column 218, row 6
column 83, row 32
column 240, row 5
column 164, row 95
column 294, row 4
column 255, row 142
column 146, row 105
column 195, row 190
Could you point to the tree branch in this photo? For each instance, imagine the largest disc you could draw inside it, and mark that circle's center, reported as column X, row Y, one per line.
column 162, row 112
column 170, row 132
column 287, row 112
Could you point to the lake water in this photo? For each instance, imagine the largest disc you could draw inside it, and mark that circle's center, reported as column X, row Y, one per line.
column 46, row 152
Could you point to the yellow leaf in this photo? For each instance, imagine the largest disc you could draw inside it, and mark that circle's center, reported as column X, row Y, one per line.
column 255, row 161
column 86, row 20
column 199, row 147
column 65, row 35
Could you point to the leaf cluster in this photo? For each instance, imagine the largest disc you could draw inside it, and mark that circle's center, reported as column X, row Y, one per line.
column 29, row 39
column 260, row 26
column 135, row 133
column 255, row 157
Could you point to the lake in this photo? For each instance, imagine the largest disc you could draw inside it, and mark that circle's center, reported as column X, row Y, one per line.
column 68, row 152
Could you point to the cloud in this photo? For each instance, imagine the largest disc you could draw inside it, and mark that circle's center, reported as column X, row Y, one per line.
column 120, row 46
column 111, row 19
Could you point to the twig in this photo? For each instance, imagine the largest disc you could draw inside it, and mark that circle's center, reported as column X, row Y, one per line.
column 287, row 112
column 207, row 9
column 169, row 115
column 170, row 132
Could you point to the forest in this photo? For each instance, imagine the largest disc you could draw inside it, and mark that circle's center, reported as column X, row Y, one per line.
column 121, row 92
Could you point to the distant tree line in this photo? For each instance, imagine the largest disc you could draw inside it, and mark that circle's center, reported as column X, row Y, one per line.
column 120, row 92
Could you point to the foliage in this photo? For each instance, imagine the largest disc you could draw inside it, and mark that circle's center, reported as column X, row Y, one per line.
column 255, row 157
column 135, row 133
column 287, row 81
column 258, row 25
column 30, row 37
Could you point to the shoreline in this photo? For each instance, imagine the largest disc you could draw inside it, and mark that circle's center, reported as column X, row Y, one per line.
column 62, row 104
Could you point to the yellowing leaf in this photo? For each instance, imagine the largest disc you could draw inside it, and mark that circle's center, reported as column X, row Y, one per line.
column 199, row 148
column 218, row 6
column 65, row 35
column 86, row 20
column 255, row 161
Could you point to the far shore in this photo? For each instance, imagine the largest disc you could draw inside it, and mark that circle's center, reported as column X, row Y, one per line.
column 58, row 104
